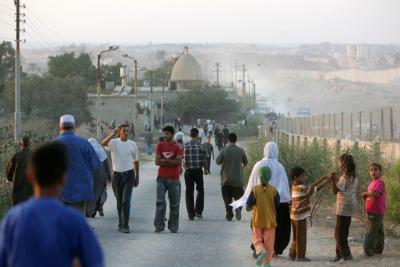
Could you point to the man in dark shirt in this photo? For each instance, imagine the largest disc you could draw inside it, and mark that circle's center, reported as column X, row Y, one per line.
column 16, row 173
column 195, row 161
column 233, row 159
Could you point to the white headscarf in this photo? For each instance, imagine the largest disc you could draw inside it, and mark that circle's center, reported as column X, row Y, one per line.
column 98, row 149
column 279, row 179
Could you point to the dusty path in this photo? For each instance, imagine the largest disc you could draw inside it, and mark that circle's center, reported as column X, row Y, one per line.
column 211, row 241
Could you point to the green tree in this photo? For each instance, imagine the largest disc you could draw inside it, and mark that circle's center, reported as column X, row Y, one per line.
column 206, row 102
column 7, row 61
column 111, row 72
column 67, row 65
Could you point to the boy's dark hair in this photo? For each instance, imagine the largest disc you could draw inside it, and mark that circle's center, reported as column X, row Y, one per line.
column 49, row 163
column 194, row 132
column 123, row 125
column 169, row 129
column 68, row 126
column 232, row 137
column 25, row 141
column 375, row 164
column 296, row 172
column 349, row 165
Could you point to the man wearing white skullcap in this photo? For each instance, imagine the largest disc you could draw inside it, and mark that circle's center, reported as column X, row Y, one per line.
column 83, row 161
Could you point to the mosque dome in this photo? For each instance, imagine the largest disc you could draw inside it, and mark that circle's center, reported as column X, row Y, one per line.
column 186, row 68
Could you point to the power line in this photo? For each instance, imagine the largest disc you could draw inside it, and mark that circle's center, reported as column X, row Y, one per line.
column 46, row 26
column 6, row 23
column 5, row 13
column 40, row 35
column 8, row 7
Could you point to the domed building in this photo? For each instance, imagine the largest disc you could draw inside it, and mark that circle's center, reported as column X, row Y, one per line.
column 186, row 72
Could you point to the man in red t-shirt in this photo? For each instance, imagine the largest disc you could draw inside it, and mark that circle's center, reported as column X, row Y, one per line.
column 169, row 160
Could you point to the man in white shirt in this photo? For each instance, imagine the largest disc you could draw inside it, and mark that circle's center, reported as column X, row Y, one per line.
column 125, row 164
column 179, row 135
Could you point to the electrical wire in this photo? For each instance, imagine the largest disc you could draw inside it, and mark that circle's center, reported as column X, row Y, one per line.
column 5, row 6
column 6, row 23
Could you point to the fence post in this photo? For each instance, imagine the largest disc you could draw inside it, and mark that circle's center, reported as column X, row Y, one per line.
column 360, row 126
column 370, row 126
column 334, row 125
column 351, row 125
column 391, row 125
column 382, row 127
column 342, row 126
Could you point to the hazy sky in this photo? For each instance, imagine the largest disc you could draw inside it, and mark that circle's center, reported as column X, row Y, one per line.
column 253, row 21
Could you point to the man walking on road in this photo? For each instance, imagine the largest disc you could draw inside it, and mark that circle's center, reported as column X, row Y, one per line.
column 169, row 160
column 195, row 161
column 83, row 163
column 16, row 173
column 233, row 159
column 125, row 164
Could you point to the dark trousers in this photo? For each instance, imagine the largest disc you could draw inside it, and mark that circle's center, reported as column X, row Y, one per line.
column 341, row 235
column 230, row 193
column 192, row 177
column 208, row 164
column 282, row 234
column 375, row 237
column 173, row 187
column 299, row 241
column 122, row 184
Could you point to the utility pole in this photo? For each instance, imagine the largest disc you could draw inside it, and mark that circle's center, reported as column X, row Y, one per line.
column 217, row 65
column 151, row 100
column 135, row 111
column 235, row 75
column 17, row 115
column 254, row 95
column 243, row 80
column 162, row 103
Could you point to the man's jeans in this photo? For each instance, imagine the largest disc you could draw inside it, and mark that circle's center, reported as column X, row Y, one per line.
column 149, row 149
column 192, row 177
column 173, row 187
column 122, row 184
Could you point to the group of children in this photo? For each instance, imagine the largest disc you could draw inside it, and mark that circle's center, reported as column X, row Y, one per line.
column 264, row 199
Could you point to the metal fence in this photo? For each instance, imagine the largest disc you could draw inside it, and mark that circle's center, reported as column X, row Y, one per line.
column 381, row 124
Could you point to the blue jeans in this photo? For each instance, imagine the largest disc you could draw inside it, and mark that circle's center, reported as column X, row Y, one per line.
column 149, row 149
column 122, row 184
column 173, row 187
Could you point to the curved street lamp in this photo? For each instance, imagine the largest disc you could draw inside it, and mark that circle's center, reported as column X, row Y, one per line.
column 135, row 112
column 98, row 113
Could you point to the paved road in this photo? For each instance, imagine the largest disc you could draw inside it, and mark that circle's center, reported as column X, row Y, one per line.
column 211, row 241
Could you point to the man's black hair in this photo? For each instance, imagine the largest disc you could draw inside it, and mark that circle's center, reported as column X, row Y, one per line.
column 49, row 163
column 68, row 126
column 296, row 172
column 125, row 125
column 232, row 137
column 169, row 129
column 194, row 132
column 25, row 141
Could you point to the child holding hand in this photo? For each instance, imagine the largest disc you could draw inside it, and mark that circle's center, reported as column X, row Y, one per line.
column 301, row 210
column 375, row 206
column 263, row 200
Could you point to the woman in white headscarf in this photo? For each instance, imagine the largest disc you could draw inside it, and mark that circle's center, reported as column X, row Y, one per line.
column 280, row 181
column 100, row 178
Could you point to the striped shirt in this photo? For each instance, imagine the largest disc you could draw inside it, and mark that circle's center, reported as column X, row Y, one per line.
column 300, row 203
column 195, row 155
column 346, row 197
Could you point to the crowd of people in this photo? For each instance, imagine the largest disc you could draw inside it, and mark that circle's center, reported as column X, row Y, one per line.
column 68, row 180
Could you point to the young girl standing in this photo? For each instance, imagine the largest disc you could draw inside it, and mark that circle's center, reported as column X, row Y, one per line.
column 262, row 200
column 345, row 188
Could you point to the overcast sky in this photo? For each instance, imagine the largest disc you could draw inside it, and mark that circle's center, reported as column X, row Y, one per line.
column 177, row 21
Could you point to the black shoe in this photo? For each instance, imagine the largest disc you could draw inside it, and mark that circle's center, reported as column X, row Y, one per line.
column 228, row 217
column 101, row 213
column 198, row 215
column 238, row 215
column 125, row 230
column 191, row 218
column 173, row 230
column 119, row 228
column 158, row 230
column 348, row 258
column 303, row 260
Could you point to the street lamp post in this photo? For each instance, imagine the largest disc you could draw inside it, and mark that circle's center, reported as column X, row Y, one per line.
column 135, row 90
column 98, row 112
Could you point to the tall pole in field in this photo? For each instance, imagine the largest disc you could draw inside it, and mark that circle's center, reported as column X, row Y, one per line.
column 17, row 114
